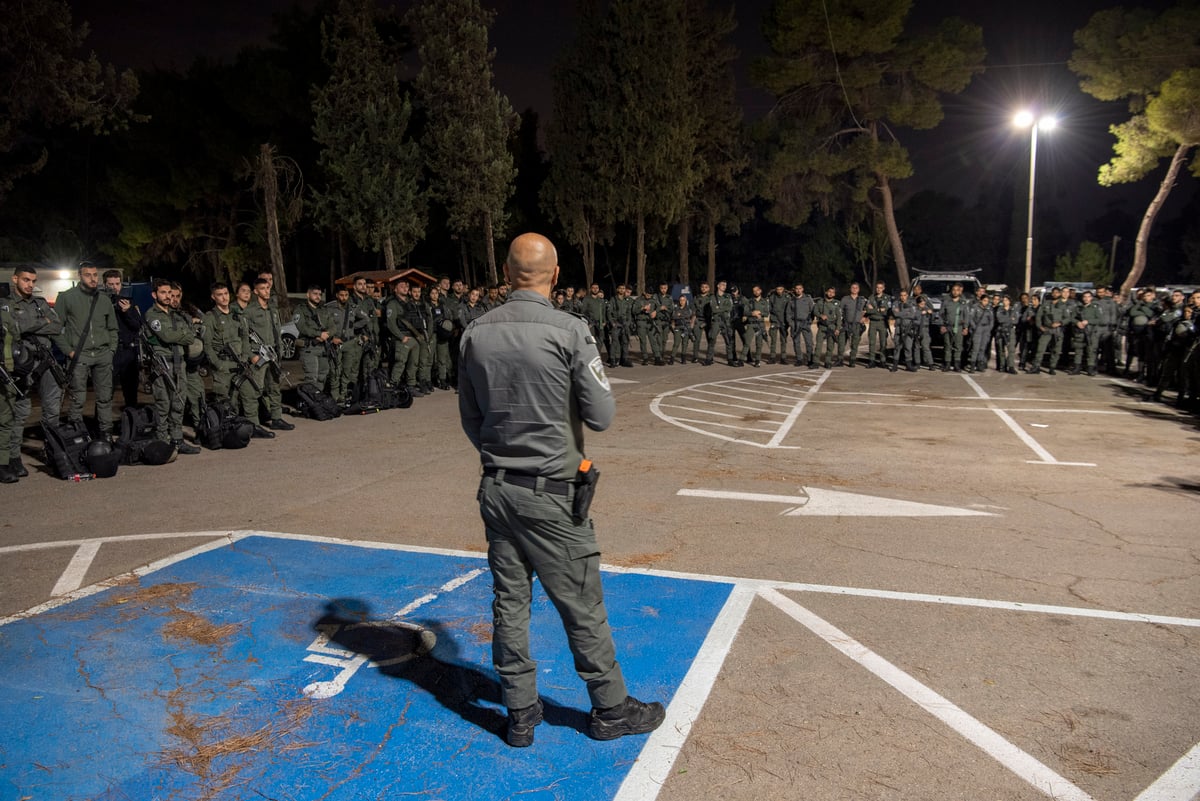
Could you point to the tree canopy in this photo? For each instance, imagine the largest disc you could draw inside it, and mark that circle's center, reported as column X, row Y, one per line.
column 1119, row 55
column 847, row 75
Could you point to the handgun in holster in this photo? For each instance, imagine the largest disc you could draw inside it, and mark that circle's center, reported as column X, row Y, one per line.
column 585, row 489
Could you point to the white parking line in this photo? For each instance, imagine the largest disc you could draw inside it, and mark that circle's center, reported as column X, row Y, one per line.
column 786, row 427
column 1022, row 434
column 1179, row 783
column 988, row 740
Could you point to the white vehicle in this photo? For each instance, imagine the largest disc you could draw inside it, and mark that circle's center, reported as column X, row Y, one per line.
column 289, row 333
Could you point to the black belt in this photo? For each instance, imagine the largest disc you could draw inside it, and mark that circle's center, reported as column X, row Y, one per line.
column 550, row 485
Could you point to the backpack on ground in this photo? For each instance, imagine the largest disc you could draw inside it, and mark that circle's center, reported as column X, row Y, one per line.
column 139, row 428
column 386, row 395
column 315, row 404
column 66, row 449
column 219, row 428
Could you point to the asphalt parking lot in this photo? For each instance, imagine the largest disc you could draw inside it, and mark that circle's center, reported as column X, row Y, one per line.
column 939, row 586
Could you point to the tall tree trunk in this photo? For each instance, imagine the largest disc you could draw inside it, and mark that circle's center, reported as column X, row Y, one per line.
column 684, row 235
column 333, row 258
column 467, row 278
column 343, row 256
column 641, row 252
column 589, row 253
column 269, row 181
column 711, row 222
column 489, row 247
column 889, row 219
column 389, row 253
column 1143, row 234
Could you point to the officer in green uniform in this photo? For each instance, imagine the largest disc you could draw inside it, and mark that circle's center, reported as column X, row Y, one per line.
column 38, row 325
column 85, row 304
column 828, row 313
column 721, row 324
column 664, row 304
column 264, row 330
column 798, row 319
column 1088, row 321
column 854, row 308
column 1006, row 335
column 227, row 348
column 683, row 326
column 168, row 333
column 443, row 329
column 595, row 310
column 1051, row 319
column 531, row 378
column 701, row 304
column 404, row 345
column 315, row 338
column 879, row 311
column 369, row 307
column 777, row 328
column 620, row 323
column 419, row 322
column 955, row 325
column 906, row 318
column 8, row 388
column 193, row 357
column 340, row 312
column 757, row 311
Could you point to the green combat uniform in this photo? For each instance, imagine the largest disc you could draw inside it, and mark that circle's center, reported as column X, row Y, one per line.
column 756, row 327
column 1052, row 317
column 96, row 348
column 702, row 303
column 955, row 321
column 404, row 346
column 530, row 379
column 1092, row 316
column 595, row 309
column 828, row 314
column 311, row 323
column 168, row 333
column 777, row 333
column 645, row 315
column 879, row 308
column 620, row 320
column 227, row 347
column 352, row 324
column 37, row 324
column 720, row 322
column 683, row 326
column 263, row 323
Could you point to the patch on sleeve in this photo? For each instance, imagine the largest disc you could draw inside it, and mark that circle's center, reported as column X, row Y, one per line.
column 156, row 325
column 596, row 366
column 591, row 340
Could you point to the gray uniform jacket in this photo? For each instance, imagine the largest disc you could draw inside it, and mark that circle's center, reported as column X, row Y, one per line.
column 529, row 379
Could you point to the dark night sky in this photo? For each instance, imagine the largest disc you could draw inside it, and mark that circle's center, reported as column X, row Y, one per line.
column 1028, row 44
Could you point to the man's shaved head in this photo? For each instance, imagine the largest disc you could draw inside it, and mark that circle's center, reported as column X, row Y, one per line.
column 532, row 263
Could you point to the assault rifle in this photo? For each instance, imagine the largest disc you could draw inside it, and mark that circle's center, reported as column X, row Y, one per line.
column 245, row 371
column 268, row 354
column 156, row 362
column 10, row 382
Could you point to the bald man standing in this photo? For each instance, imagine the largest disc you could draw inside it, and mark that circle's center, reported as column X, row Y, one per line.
column 530, row 377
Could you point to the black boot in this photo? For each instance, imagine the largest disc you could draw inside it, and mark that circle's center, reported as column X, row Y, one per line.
column 279, row 424
column 185, row 448
column 18, row 467
column 521, row 723
column 7, row 475
column 631, row 716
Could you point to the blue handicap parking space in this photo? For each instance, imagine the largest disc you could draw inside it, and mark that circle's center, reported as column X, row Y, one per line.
column 276, row 668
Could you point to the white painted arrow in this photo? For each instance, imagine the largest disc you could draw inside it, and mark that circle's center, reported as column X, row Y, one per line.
column 831, row 503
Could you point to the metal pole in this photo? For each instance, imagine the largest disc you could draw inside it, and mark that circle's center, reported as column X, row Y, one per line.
column 1032, row 174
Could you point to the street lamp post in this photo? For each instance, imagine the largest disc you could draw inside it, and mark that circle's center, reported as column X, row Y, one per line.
column 1025, row 119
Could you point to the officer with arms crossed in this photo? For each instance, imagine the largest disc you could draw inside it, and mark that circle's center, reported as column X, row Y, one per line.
column 89, row 340
column 529, row 379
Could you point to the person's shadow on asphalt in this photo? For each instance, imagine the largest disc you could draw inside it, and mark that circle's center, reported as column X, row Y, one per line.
column 400, row 652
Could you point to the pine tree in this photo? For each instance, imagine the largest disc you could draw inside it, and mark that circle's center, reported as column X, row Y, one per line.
column 847, row 76
column 1119, row 56
column 371, row 166
column 467, row 122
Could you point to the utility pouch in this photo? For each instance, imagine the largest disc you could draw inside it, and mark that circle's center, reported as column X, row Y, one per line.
column 585, row 489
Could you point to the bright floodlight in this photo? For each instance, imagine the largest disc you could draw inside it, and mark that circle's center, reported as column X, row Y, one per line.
column 1023, row 119
column 1047, row 123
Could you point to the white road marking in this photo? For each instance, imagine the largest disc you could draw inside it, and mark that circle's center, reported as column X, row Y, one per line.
column 787, row 424
column 988, row 740
column 653, row 765
column 72, row 578
column 726, row 425
column 708, row 411
column 1045, row 456
column 1180, row 783
column 1173, row 785
column 349, row 662
column 833, row 503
